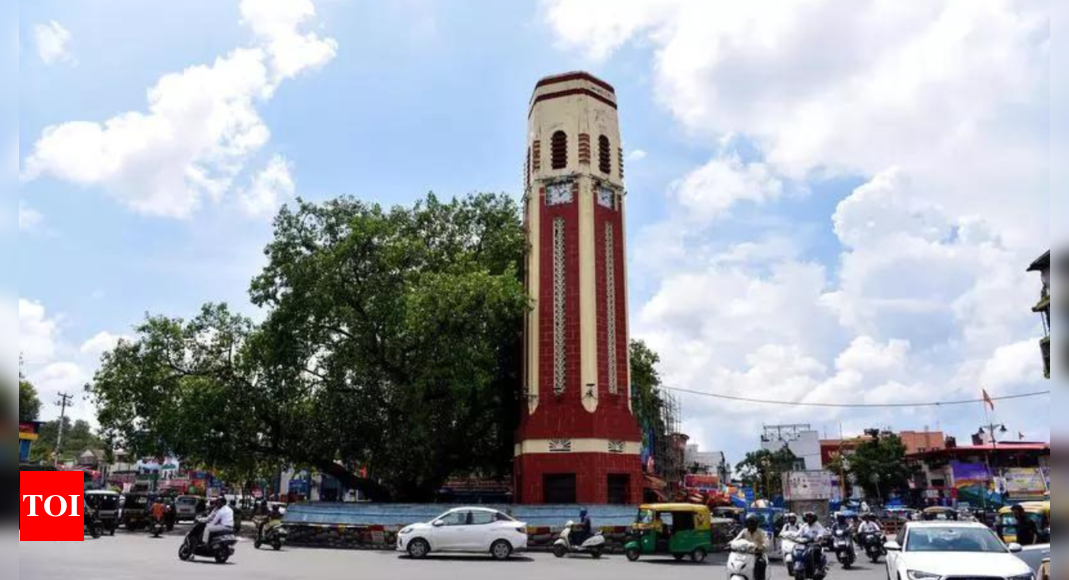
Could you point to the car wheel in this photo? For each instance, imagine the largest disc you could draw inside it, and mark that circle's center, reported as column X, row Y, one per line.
column 418, row 549
column 501, row 550
column 632, row 554
column 698, row 555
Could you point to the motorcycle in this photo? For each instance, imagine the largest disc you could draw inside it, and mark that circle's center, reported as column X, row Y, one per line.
column 843, row 545
column 742, row 563
column 93, row 526
column 873, row 544
column 272, row 534
column 594, row 545
column 808, row 560
column 220, row 545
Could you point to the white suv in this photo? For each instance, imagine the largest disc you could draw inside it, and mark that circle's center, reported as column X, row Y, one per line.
column 471, row 530
column 953, row 550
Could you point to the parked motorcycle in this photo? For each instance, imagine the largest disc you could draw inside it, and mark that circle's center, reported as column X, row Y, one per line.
column 594, row 545
column 93, row 525
column 843, row 545
column 873, row 545
column 220, row 545
column 742, row 563
column 809, row 562
column 271, row 533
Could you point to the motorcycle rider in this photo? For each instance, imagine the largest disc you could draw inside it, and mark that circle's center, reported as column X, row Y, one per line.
column 869, row 525
column 791, row 526
column 222, row 520
column 815, row 532
column 754, row 534
column 159, row 511
column 841, row 523
column 583, row 529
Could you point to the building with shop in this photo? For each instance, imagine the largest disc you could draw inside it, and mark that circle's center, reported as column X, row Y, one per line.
column 578, row 440
column 956, row 473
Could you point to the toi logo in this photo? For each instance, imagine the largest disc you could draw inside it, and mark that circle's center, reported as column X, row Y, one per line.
column 51, row 506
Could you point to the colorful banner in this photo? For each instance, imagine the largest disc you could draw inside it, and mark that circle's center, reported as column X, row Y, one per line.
column 968, row 475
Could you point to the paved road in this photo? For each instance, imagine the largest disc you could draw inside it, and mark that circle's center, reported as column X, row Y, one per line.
column 137, row 557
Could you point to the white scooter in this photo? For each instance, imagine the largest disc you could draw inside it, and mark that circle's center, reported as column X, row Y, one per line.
column 594, row 545
column 743, row 561
column 787, row 545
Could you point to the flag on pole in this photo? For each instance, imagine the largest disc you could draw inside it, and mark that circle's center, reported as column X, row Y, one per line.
column 988, row 401
column 1020, row 436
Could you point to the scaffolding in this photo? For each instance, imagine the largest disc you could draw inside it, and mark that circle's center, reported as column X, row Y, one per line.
column 671, row 444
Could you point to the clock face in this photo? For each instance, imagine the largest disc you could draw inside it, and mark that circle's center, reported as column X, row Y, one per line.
column 559, row 193
column 606, row 198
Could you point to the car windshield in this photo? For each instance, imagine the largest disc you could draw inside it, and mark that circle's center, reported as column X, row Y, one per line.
column 949, row 539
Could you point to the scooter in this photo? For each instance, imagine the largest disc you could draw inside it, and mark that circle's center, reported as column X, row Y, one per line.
column 156, row 528
column 742, row 563
column 809, row 562
column 220, row 544
column 787, row 546
column 843, row 544
column 873, row 544
column 594, row 545
column 273, row 534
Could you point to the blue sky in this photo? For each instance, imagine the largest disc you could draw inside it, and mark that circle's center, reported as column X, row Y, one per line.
column 806, row 222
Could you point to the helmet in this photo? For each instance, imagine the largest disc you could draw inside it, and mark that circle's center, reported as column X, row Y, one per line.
column 582, row 514
column 792, row 516
column 753, row 521
column 810, row 518
column 841, row 518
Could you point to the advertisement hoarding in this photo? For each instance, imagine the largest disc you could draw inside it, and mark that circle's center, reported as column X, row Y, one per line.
column 808, row 486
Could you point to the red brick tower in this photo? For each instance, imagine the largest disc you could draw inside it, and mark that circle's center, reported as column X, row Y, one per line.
column 578, row 441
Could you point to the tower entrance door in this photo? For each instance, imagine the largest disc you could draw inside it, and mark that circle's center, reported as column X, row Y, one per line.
column 559, row 488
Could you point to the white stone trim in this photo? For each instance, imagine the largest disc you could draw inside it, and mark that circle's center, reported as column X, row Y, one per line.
column 542, row 446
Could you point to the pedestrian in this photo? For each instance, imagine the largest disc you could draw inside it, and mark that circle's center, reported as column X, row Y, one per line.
column 1027, row 530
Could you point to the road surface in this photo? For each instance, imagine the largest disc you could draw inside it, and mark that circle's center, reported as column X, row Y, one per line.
column 139, row 557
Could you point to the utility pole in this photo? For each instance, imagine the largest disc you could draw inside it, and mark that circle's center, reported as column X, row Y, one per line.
column 63, row 403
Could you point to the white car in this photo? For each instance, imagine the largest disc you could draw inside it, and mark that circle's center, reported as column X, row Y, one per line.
column 941, row 550
column 469, row 530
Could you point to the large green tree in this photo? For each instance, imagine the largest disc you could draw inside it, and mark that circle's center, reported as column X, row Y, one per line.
column 29, row 404
column 78, row 436
column 390, row 341
column 879, row 466
column 763, row 471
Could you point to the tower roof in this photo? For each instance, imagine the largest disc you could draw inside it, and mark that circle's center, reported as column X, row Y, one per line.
column 574, row 76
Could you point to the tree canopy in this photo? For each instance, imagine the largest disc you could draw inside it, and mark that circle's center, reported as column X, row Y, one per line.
column 29, row 404
column 879, row 465
column 390, row 342
column 77, row 437
column 763, row 471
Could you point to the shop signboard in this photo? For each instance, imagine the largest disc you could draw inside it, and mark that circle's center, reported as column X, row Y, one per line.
column 703, row 483
column 808, row 486
column 1023, row 482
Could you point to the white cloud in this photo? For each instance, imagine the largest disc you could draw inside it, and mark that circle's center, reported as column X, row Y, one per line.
column 637, row 155
column 59, row 377
column 53, row 42
column 38, row 333
column 101, row 343
column 201, row 126
column 713, row 189
column 269, row 188
column 941, row 89
column 29, row 218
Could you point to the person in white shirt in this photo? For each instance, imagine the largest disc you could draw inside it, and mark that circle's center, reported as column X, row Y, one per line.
column 222, row 520
column 812, row 529
column 869, row 526
column 754, row 534
column 791, row 526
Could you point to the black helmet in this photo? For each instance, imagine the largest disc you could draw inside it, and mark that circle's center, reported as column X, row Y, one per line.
column 753, row 521
column 810, row 518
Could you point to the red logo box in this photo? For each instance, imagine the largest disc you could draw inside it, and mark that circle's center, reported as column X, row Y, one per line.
column 52, row 506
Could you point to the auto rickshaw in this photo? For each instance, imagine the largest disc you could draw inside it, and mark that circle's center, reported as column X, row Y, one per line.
column 105, row 504
column 1037, row 511
column 940, row 513
column 680, row 530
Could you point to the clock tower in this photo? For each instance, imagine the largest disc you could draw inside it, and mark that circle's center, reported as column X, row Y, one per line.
column 578, row 441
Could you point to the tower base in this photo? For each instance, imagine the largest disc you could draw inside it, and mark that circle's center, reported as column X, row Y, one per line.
column 578, row 478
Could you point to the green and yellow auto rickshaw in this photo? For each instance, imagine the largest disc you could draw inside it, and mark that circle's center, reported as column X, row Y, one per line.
column 676, row 529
